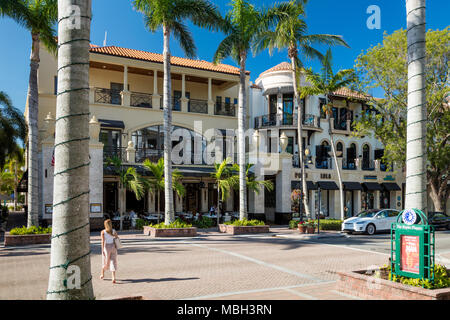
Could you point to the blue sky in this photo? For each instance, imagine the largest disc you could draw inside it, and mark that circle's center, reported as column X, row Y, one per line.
column 125, row 28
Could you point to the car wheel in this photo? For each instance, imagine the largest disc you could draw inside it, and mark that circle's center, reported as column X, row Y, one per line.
column 370, row 229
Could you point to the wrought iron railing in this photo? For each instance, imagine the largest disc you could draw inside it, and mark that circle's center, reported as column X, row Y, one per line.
column 114, row 152
column 225, row 109
column 311, row 120
column 348, row 164
column 108, row 96
column 153, row 155
column 368, row 165
column 176, row 104
column 141, row 100
column 324, row 163
column 198, row 106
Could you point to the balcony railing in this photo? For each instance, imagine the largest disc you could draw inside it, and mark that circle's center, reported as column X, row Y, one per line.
column 368, row 165
column 348, row 164
column 198, row 106
column 324, row 163
column 225, row 109
column 108, row 96
column 114, row 152
column 153, row 155
column 311, row 121
column 286, row 119
column 141, row 100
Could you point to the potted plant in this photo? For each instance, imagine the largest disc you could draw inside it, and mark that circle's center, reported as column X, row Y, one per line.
column 311, row 227
column 302, row 227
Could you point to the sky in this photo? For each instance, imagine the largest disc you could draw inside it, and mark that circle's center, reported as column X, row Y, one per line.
column 125, row 28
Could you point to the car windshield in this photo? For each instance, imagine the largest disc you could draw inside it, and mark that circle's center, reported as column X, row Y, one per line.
column 366, row 214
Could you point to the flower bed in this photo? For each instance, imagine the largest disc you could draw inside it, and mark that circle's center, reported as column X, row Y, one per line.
column 244, row 227
column 169, row 232
column 366, row 285
column 28, row 236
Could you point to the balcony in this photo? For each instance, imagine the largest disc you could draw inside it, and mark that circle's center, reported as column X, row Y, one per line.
column 114, row 152
column 368, row 165
column 324, row 163
column 286, row 119
column 153, row 155
column 107, row 96
column 198, row 106
column 225, row 109
column 141, row 100
column 348, row 165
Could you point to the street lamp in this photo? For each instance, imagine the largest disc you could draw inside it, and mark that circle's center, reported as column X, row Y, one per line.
column 318, row 213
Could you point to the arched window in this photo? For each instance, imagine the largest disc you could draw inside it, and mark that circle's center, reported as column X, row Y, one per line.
column 339, row 149
column 366, row 157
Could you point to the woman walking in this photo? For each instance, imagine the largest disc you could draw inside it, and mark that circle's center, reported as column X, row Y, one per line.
column 109, row 250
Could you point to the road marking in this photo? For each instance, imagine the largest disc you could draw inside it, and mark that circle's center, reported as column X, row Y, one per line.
column 347, row 295
column 224, row 294
column 347, row 247
column 301, row 294
column 269, row 265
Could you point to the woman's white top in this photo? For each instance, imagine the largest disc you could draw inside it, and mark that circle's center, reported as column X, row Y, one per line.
column 109, row 239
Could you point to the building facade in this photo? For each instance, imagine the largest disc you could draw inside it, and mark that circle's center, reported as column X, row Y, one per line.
column 126, row 88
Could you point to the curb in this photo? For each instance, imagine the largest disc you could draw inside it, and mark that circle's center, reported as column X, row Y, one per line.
column 311, row 237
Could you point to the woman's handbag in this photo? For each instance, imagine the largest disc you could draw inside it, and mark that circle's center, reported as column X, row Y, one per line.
column 118, row 243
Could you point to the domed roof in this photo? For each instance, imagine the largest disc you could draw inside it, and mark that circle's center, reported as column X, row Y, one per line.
column 284, row 66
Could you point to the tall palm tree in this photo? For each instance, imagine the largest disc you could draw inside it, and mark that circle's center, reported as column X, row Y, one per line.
column 38, row 17
column 170, row 15
column 70, row 265
column 326, row 83
column 241, row 25
column 15, row 162
column 156, row 183
column 416, row 160
column 12, row 130
column 129, row 179
column 291, row 33
column 225, row 181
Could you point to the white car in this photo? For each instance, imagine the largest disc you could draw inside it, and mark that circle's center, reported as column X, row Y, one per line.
column 371, row 221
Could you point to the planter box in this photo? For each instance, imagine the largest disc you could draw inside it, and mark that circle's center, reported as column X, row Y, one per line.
column 225, row 228
column 27, row 239
column 359, row 284
column 180, row 232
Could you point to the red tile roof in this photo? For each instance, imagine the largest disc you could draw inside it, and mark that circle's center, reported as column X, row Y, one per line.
column 155, row 57
column 284, row 66
column 348, row 93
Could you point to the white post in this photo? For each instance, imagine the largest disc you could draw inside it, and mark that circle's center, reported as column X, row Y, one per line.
column 210, row 100
column 156, row 98
column 183, row 99
column 126, row 96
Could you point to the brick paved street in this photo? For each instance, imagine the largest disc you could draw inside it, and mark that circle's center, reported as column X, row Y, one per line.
column 211, row 266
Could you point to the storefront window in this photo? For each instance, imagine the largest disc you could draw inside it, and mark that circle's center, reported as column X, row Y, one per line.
column 367, row 200
column 384, row 200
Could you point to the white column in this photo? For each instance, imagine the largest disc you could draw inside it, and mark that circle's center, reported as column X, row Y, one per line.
column 312, row 203
column 126, row 96
column 95, row 168
column 357, row 202
column 210, row 99
column 151, row 198
column 156, row 98
column 376, row 200
column 204, row 199
column 184, row 101
column 283, row 188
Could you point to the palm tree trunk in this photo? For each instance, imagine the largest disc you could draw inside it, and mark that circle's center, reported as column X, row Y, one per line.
column 416, row 178
column 242, row 115
column 70, row 265
column 169, row 208
column 338, row 170
column 15, row 186
column 33, row 149
column 218, row 205
column 159, row 204
column 300, row 140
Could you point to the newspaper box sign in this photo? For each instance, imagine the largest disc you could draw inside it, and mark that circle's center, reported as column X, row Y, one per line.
column 412, row 246
column 410, row 261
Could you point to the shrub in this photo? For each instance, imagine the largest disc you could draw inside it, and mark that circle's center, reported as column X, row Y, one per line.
column 204, row 223
column 330, row 224
column 31, row 230
column 177, row 224
column 246, row 223
column 293, row 224
column 140, row 223
column 441, row 279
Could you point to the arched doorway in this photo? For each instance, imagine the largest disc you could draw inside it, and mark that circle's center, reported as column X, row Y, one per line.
column 366, row 157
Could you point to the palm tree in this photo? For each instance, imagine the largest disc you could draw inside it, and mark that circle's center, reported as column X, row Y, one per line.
column 225, row 181
column 70, row 265
column 170, row 15
column 156, row 183
column 416, row 160
column 327, row 83
column 290, row 34
column 38, row 17
column 15, row 162
column 129, row 179
column 241, row 25
column 256, row 185
column 12, row 130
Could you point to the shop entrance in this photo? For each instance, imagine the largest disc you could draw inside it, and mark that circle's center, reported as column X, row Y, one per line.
column 110, row 198
column 192, row 198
